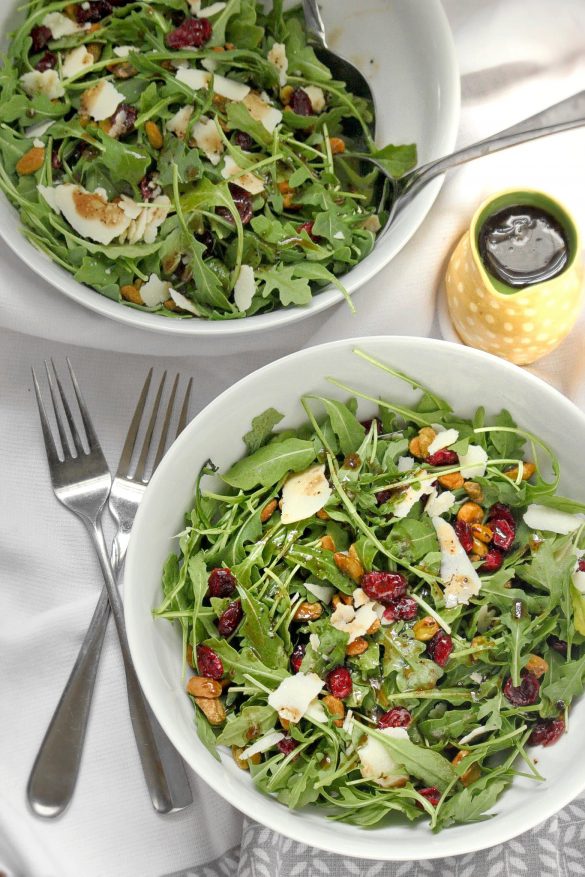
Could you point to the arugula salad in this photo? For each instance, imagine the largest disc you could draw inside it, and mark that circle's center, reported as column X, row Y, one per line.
column 186, row 158
column 383, row 616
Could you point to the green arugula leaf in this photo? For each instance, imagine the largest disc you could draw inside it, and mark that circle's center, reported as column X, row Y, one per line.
column 252, row 722
column 269, row 464
column 262, row 427
column 345, row 425
column 397, row 160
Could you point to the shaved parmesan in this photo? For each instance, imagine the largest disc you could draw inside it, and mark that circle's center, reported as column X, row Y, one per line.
column 316, row 96
column 194, row 78
column 179, row 123
column 39, row 129
column 360, row 598
column 249, row 182
column 477, row 732
column 123, row 51
column 76, row 61
column 89, row 213
column 154, row 291
column 244, row 288
column 323, row 593
column 195, row 6
column 182, row 302
column 101, row 101
column 262, row 112
column 459, row 577
column 205, row 136
column 294, row 694
column 439, row 503
column 227, row 88
column 210, row 64
column 540, row 517
column 210, row 10
column 61, row 25
column 377, row 764
column 473, row 462
column 266, row 742
column 314, row 642
column 304, row 494
column 277, row 56
column 145, row 219
column 579, row 580
column 442, row 440
column 411, row 494
column 316, row 712
column 354, row 622
column 348, row 722
column 405, row 464
column 45, row 82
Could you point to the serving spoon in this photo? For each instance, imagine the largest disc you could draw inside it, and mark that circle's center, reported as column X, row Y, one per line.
column 563, row 116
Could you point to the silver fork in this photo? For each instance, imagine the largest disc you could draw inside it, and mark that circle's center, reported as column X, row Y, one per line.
column 82, row 482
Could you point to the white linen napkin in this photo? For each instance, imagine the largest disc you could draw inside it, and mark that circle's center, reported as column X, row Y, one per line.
column 517, row 57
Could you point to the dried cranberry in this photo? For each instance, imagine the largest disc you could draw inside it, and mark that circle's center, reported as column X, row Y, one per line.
column 47, row 62
column 40, row 36
column 440, row 647
column 443, row 458
column 287, row 745
column 148, row 188
column 524, row 694
column 402, row 609
column 498, row 510
column 559, row 645
column 367, row 424
column 581, row 565
column 432, row 794
column 230, row 618
column 300, row 103
column 384, row 495
column 209, row 663
column 206, row 238
column 492, row 561
column 308, row 227
column 465, row 536
column 339, row 682
column 55, row 160
column 93, row 11
column 398, row 717
column 123, row 121
column 504, row 533
column 384, row 587
column 193, row 32
column 243, row 203
column 243, row 140
column 296, row 659
column 221, row 582
column 546, row 732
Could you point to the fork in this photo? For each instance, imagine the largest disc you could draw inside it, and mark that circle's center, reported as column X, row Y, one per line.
column 82, row 482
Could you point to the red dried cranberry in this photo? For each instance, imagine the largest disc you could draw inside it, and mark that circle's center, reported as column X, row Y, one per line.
column 384, row 587
column 243, row 203
column 230, row 618
column 524, row 694
column 384, row 495
column 93, row 11
column 367, row 424
column 209, row 663
column 148, row 188
column 559, row 645
column 221, row 582
column 339, row 682
column 492, row 561
column 465, row 536
column 287, row 745
column 55, row 160
column 308, row 227
column 440, row 647
column 243, row 140
column 504, row 533
column 47, row 62
column 443, row 458
column 206, row 238
column 300, row 103
column 498, row 510
column 398, row 717
column 403, row 609
column 581, row 565
column 432, row 794
column 123, row 120
column 193, row 32
column 296, row 659
column 546, row 732
column 40, row 36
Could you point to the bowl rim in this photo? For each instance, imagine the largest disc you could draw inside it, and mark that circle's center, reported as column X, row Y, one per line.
column 275, row 817
column 89, row 298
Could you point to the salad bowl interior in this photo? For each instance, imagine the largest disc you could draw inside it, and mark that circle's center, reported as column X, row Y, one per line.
column 407, row 53
column 466, row 378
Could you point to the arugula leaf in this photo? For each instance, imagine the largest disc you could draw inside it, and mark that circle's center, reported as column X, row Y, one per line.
column 425, row 764
column 269, row 464
column 470, row 804
column 290, row 289
column 396, row 160
column 345, row 425
column 252, row 722
column 262, row 426
column 563, row 682
column 205, row 732
column 128, row 163
column 257, row 630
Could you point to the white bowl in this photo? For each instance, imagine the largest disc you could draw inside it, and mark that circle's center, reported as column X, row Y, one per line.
column 407, row 52
column 467, row 378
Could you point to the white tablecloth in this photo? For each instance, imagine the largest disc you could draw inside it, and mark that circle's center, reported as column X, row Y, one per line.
column 516, row 57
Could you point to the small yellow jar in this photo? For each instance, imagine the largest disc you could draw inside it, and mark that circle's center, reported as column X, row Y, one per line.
column 520, row 325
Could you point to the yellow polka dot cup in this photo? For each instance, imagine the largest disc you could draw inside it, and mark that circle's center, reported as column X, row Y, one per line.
column 520, row 325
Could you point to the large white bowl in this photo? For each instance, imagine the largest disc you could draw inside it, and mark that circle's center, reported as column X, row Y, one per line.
column 406, row 50
column 467, row 378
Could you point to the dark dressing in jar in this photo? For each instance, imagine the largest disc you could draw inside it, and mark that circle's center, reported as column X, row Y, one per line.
column 522, row 245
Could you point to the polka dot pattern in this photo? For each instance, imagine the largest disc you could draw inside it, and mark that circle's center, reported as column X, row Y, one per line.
column 520, row 327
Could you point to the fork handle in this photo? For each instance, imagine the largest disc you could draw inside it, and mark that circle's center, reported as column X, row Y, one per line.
column 162, row 765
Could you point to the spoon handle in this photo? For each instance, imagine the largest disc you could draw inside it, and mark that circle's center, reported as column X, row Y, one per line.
column 314, row 24
column 563, row 116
